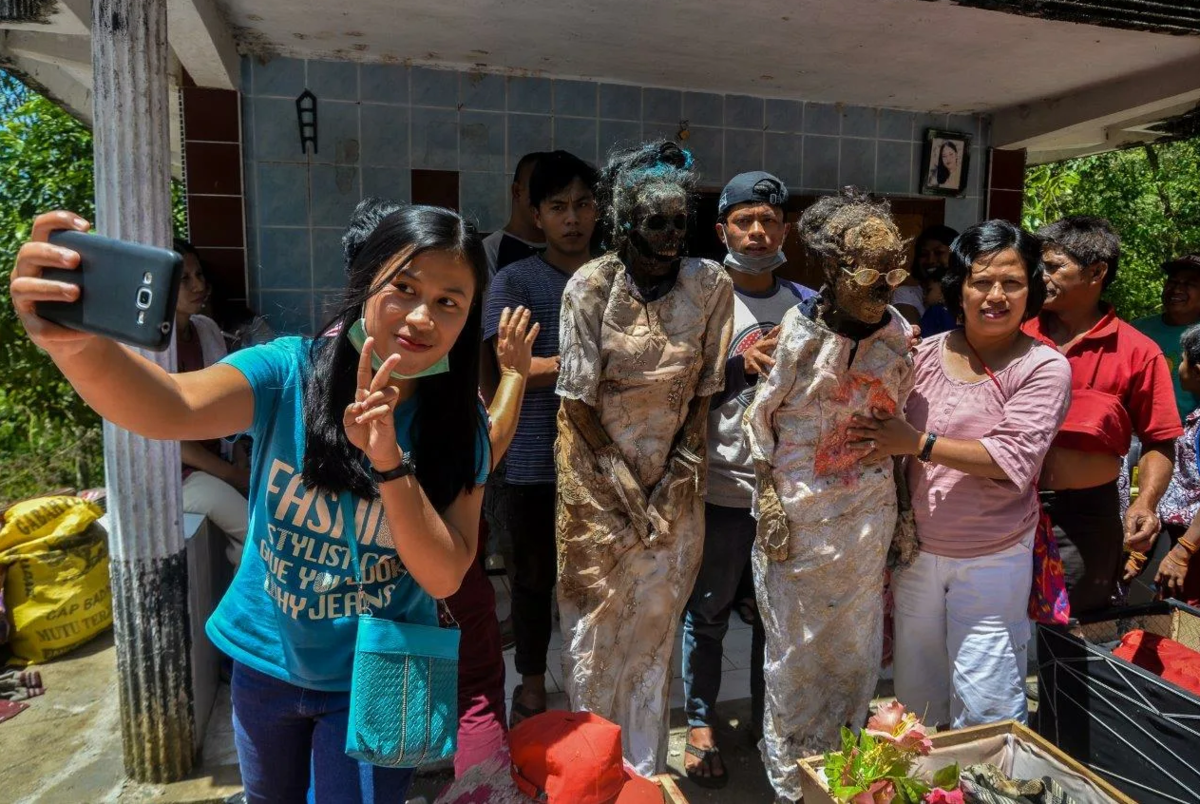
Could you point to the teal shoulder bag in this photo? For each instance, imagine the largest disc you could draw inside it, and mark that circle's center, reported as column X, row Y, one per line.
column 404, row 685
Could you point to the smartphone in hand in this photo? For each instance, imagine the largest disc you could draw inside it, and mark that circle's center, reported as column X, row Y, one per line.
column 127, row 290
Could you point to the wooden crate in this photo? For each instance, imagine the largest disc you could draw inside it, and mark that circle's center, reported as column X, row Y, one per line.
column 671, row 792
column 982, row 744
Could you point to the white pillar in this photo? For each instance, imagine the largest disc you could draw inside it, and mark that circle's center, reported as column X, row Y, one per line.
column 149, row 567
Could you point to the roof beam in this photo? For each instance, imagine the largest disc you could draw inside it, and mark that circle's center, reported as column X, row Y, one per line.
column 203, row 42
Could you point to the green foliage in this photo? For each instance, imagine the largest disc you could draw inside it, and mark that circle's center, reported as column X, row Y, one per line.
column 1148, row 193
column 48, row 437
column 880, row 767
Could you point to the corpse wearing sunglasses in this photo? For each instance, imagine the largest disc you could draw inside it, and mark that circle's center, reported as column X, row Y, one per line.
column 826, row 517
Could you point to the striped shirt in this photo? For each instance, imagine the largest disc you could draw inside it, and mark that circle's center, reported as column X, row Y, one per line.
column 539, row 286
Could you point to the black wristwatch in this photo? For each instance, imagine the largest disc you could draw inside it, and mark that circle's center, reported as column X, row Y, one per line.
column 405, row 468
column 927, row 450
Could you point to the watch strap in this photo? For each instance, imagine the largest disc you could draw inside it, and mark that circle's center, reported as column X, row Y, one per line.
column 927, row 450
column 405, row 468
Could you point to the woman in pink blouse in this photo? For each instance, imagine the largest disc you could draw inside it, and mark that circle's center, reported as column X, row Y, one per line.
column 987, row 403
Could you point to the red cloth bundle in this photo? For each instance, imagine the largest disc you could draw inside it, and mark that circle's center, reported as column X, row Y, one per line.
column 1164, row 657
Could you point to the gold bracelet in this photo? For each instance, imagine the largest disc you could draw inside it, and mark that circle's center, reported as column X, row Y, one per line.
column 1186, row 545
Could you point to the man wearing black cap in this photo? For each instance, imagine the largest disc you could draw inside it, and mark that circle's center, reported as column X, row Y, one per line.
column 750, row 222
column 1180, row 310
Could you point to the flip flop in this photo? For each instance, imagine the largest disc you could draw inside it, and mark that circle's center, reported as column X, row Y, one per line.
column 519, row 710
column 705, row 756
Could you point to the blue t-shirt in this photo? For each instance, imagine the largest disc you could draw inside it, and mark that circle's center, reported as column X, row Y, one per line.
column 291, row 610
column 539, row 286
column 1167, row 337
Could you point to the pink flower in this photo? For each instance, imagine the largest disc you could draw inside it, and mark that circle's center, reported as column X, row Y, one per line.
column 902, row 729
column 881, row 792
column 886, row 718
column 940, row 796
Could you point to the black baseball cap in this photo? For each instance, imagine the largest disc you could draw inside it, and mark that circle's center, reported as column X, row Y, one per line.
column 1186, row 261
column 758, row 186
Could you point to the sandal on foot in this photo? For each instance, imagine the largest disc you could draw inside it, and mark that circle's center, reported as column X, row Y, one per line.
column 519, row 710
column 705, row 755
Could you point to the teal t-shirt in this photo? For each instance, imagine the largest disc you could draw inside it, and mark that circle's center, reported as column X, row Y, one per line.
column 1167, row 337
column 291, row 610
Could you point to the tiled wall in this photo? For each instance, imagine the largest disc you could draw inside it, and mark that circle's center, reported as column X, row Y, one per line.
column 377, row 123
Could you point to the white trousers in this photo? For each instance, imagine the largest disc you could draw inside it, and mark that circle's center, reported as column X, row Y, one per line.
column 962, row 634
column 221, row 503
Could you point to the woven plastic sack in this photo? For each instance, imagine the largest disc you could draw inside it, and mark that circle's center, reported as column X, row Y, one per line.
column 404, row 694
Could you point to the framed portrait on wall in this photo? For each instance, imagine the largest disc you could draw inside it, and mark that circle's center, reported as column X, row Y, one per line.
column 945, row 161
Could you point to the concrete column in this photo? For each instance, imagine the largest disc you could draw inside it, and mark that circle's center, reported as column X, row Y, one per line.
column 149, row 567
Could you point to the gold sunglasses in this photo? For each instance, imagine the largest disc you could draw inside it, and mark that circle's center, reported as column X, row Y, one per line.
column 869, row 276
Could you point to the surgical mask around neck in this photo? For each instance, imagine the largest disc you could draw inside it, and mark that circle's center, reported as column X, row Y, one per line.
column 358, row 337
column 748, row 264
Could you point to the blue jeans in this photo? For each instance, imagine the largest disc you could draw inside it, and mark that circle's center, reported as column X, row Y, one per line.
column 291, row 745
column 728, row 539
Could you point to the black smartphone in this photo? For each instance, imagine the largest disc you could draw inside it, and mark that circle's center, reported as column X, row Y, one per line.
column 127, row 290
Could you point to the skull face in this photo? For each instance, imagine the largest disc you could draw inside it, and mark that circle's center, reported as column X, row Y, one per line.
column 660, row 222
column 875, row 243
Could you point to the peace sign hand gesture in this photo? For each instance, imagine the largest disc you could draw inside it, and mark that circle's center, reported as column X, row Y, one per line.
column 368, row 419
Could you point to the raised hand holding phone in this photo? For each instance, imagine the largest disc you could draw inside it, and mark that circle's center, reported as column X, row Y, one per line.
column 28, row 286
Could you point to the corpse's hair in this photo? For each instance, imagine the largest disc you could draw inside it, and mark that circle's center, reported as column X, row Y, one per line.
column 834, row 229
column 984, row 241
column 1087, row 240
column 633, row 174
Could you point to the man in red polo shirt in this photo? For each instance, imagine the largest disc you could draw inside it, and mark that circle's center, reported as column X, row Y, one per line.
column 1121, row 385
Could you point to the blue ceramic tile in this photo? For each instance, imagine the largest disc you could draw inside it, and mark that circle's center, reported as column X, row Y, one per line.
column 288, row 312
column 620, row 102
column 975, row 173
column 284, row 261
column 893, row 163
column 282, row 77
column 822, row 118
column 434, row 138
column 246, row 76
column 575, row 98
column 744, row 111
column 708, row 147
column 929, row 120
column 662, row 106
column 328, row 260
column 434, row 87
column 333, row 80
column 384, row 135
column 335, row 192
column 915, row 176
column 743, row 151
column 617, row 133
column 704, row 108
column 964, row 124
column 483, row 197
column 785, row 157
column 337, row 133
column 277, row 131
column 529, row 95
column 820, row 163
column 857, row 164
column 481, row 142
column 282, row 195
column 895, row 125
column 785, row 116
column 385, row 182
column 247, row 104
column 860, row 121
column 481, row 91
column 326, row 304
column 577, row 135
column 527, row 133
column 383, row 83
column 660, row 131
column 962, row 213
column 250, row 172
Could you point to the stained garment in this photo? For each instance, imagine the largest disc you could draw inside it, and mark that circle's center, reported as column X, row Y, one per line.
column 821, row 603
column 639, row 366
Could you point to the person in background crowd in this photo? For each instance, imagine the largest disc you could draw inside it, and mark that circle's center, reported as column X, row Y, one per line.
column 215, row 478
column 643, row 338
column 562, row 194
column 932, row 248
column 402, row 449
column 1178, row 574
column 825, row 518
column 1120, row 386
column 987, row 402
column 1180, row 310
column 751, row 224
column 520, row 237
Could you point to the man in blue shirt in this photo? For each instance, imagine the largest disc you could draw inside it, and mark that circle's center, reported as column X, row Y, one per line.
column 562, row 194
column 1180, row 310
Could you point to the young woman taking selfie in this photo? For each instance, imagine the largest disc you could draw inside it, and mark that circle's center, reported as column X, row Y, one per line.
column 371, row 449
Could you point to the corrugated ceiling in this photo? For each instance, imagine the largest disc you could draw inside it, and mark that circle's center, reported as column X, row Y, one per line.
column 1159, row 16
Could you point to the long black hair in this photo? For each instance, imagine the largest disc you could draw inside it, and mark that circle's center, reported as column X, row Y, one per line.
column 447, row 418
